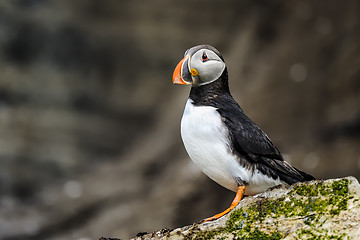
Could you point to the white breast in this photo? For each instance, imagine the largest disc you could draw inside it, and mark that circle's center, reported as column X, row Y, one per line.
column 206, row 140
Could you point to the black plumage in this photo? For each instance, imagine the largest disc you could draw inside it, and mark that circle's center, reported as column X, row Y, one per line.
column 249, row 143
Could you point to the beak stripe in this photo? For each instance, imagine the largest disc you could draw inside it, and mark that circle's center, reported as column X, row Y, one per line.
column 181, row 71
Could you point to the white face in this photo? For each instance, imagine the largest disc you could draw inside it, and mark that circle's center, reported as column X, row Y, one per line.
column 207, row 64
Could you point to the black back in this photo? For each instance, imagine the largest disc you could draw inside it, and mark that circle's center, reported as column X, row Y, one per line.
column 252, row 146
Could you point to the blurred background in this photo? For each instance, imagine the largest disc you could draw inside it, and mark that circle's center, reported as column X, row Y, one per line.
column 90, row 122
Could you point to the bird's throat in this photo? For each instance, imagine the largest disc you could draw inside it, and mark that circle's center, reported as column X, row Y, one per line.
column 200, row 95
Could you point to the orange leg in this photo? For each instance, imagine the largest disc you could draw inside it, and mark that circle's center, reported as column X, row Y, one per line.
column 238, row 197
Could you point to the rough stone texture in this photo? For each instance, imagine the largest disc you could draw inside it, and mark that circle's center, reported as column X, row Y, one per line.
column 315, row 210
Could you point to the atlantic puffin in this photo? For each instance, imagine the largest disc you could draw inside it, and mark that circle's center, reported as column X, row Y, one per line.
column 226, row 144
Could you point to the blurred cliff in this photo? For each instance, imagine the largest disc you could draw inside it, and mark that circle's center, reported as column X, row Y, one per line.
column 89, row 120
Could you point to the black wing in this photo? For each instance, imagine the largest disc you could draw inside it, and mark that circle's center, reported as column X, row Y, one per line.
column 253, row 146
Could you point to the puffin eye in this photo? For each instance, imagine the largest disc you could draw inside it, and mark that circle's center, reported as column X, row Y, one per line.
column 204, row 57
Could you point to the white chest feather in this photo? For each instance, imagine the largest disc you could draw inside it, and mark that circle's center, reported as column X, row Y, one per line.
column 206, row 140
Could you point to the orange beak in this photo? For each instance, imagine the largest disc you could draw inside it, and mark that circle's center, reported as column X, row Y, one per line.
column 181, row 73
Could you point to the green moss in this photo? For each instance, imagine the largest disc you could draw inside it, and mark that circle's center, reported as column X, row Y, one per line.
column 240, row 225
column 309, row 220
column 306, row 203
column 322, row 197
column 257, row 234
column 340, row 188
column 316, row 235
column 207, row 235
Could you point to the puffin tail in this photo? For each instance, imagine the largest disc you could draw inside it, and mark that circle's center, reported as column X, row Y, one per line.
column 307, row 177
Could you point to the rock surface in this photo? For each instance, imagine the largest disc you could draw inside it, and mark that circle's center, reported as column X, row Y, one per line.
column 318, row 209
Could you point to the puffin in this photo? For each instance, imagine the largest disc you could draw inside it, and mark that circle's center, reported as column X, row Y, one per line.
column 218, row 137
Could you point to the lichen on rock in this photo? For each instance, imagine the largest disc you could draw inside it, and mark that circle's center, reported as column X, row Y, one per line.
column 318, row 209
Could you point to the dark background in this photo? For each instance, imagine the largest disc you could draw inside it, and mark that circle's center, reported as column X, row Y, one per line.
column 89, row 119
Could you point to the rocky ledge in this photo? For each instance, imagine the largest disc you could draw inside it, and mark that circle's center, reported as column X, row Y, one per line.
column 321, row 209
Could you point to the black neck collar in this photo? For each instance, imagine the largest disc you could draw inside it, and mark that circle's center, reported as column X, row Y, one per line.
column 205, row 94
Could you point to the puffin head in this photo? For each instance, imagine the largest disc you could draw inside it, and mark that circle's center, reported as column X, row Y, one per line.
column 201, row 65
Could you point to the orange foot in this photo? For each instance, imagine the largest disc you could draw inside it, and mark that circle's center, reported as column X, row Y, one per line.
column 238, row 197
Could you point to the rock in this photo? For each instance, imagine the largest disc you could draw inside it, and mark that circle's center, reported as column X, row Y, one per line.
column 321, row 209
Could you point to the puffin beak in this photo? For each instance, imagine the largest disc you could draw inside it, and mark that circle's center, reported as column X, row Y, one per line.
column 181, row 73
